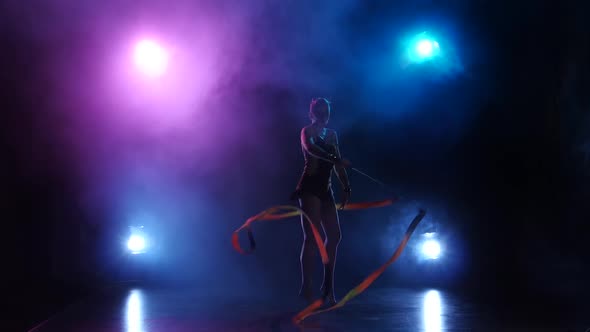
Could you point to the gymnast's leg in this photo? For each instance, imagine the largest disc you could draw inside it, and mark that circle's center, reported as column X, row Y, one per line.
column 331, row 227
column 311, row 205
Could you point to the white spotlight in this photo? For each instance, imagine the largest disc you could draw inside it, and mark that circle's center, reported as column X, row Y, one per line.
column 431, row 249
column 136, row 244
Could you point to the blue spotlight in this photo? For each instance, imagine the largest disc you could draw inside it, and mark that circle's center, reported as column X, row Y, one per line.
column 136, row 244
column 423, row 48
column 426, row 48
column 431, row 249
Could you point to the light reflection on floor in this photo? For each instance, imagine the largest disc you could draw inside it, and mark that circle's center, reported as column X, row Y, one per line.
column 432, row 310
column 134, row 312
column 182, row 309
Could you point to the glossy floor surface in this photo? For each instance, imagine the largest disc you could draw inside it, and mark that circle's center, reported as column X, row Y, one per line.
column 175, row 309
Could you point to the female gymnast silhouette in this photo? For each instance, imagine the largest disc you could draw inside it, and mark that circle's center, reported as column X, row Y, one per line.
column 316, row 198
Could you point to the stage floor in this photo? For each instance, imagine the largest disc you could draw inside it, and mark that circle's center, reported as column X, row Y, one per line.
column 175, row 309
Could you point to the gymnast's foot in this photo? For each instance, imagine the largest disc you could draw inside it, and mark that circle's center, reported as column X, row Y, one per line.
column 328, row 297
column 330, row 300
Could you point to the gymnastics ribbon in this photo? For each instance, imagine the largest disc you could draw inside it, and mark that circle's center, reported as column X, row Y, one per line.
column 287, row 211
column 271, row 214
column 312, row 309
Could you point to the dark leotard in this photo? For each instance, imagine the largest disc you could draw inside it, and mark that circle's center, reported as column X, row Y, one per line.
column 317, row 174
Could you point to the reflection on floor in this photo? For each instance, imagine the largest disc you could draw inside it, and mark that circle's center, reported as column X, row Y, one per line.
column 174, row 310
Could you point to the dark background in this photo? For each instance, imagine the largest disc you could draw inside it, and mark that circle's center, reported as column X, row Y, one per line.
column 494, row 151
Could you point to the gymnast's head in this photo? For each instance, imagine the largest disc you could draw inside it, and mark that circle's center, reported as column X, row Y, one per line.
column 319, row 111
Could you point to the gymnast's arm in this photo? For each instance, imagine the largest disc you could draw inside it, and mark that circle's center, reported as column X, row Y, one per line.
column 309, row 145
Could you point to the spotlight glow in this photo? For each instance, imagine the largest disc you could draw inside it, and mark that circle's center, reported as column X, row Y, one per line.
column 150, row 58
column 136, row 244
column 425, row 47
column 431, row 249
column 422, row 48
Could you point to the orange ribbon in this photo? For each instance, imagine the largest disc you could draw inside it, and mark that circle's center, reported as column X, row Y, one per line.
column 273, row 213
column 286, row 211
column 312, row 309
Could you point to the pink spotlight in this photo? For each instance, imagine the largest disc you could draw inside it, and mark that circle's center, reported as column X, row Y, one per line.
column 150, row 58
